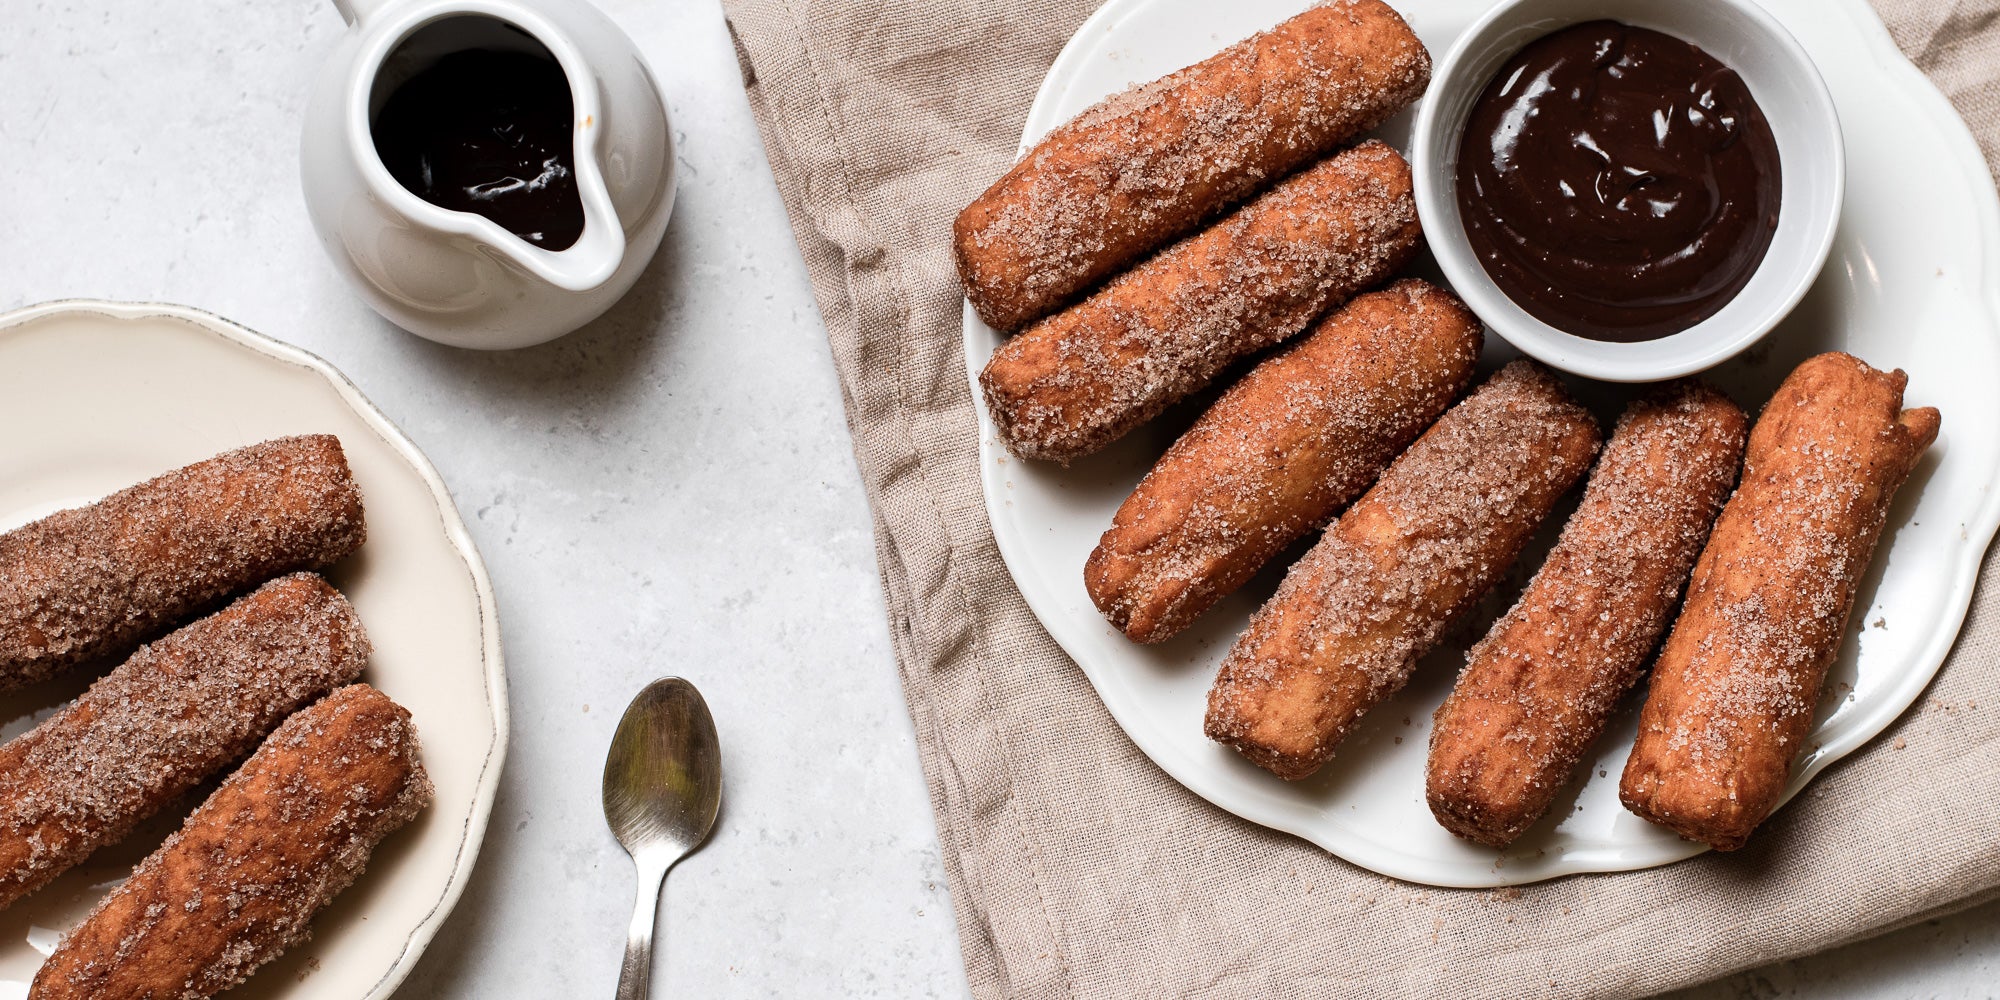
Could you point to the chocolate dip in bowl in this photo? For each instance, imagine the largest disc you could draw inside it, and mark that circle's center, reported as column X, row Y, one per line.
column 1629, row 191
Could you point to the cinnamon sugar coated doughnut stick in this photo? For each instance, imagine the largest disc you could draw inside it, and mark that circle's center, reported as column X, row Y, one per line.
column 96, row 580
column 1539, row 689
column 240, row 881
column 1302, row 434
column 174, row 714
column 1425, row 543
column 1734, row 690
column 1145, row 167
column 1082, row 378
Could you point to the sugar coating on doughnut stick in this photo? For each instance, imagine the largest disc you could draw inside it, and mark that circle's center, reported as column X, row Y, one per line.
column 1735, row 686
column 179, row 711
column 1379, row 589
column 1150, row 165
column 240, row 881
column 1302, row 434
column 97, row 580
column 1081, row 379
column 1537, row 692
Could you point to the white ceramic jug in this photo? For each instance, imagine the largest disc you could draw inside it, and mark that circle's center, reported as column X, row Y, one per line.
column 456, row 277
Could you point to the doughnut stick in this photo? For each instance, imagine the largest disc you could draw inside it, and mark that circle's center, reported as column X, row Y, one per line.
column 1304, row 433
column 1079, row 380
column 1538, row 690
column 177, row 712
column 1148, row 166
column 240, row 881
column 1379, row 589
column 97, row 580
column 1734, row 690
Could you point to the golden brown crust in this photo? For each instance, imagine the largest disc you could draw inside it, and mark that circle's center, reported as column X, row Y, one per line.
column 1082, row 378
column 1538, row 690
column 1300, row 435
column 240, row 881
column 177, row 712
column 1145, row 167
column 96, row 580
column 1735, row 687
column 1427, row 541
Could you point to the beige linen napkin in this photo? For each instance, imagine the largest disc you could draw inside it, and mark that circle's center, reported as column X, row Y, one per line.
column 1077, row 867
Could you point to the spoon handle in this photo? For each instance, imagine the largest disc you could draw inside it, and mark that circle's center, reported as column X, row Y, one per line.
column 636, row 974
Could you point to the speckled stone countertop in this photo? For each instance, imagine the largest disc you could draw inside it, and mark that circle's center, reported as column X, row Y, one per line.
column 669, row 490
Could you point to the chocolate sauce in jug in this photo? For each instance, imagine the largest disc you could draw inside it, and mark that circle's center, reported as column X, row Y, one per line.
column 491, row 133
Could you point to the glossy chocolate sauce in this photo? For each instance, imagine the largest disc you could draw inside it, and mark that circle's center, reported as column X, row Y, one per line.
column 488, row 132
column 1618, row 183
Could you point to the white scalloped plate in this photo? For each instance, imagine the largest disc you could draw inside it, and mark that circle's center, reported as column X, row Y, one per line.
column 96, row 396
column 1911, row 283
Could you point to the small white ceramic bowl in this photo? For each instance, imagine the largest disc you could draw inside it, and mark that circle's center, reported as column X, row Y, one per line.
column 1812, row 165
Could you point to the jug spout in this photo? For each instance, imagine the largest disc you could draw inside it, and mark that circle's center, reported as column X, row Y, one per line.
column 583, row 267
column 595, row 256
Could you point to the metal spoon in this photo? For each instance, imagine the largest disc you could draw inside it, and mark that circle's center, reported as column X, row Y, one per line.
column 662, row 787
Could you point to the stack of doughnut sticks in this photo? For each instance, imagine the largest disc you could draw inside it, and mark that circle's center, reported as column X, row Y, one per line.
column 249, row 661
column 1150, row 245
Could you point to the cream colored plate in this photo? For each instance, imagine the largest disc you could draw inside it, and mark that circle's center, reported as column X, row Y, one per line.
column 96, row 396
column 1912, row 283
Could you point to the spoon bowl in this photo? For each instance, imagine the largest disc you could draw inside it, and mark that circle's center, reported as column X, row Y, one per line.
column 662, row 790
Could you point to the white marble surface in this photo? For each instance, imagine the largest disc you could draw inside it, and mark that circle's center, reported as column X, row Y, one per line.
column 669, row 491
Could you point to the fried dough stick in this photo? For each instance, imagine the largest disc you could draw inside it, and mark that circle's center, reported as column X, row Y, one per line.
column 1734, row 689
column 1304, row 433
column 96, row 580
column 1148, row 166
column 174, row 714
column 1082, row 378
column 240, row 881
column 1539, row 689
column 1422, row 546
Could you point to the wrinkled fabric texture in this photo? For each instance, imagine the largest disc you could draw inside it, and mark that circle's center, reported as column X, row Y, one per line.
column 1078, row 869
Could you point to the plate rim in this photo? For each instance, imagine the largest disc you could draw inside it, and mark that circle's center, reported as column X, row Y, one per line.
column 1872, row 35
column 486, row 789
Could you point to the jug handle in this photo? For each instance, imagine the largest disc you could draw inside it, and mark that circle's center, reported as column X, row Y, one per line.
column 357, row 11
